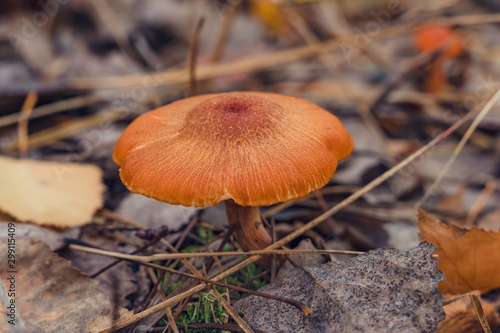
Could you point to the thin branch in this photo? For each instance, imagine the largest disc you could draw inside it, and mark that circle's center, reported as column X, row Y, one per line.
column 193, row 56
column 22, row 126
column 478, row 308
column 174, row 256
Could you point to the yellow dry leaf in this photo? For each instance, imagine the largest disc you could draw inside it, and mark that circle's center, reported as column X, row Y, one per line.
column 270, row 15
column 469, row 258
column 461, row 317
column 50, row 193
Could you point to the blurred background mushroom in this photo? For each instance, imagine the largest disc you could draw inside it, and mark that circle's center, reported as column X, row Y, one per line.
column 450, row 45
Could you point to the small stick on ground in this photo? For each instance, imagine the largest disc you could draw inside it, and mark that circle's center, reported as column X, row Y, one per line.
column 228, row 234
column 168, row 311
column 193, row 55
column 227, row 20
column 227, row 305
column 274, row 264
column 478, row 308
column 177, row 255
column 22, row 126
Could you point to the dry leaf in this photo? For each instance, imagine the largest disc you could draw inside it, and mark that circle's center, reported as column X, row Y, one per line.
column 461, row 317
column 50, row 193
column 51, row 296
column 381, row 291
column 468, row 258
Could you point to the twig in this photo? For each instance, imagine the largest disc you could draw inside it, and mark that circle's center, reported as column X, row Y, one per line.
column 106, row 213
column 454, row 299
column 476, row 303
column 169, row 256
column 323, row 205
column 224, row 241
column 241, row 323
column 225, row 281
column 171, row 320
column 22, row 126
column 168, row 311
column 66, row 129
column 274, row 264
column 193, row 55
column 227, row 20
column 60, row 106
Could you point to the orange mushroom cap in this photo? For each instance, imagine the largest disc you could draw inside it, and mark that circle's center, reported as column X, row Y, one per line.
column 430, row 39
column 255, row 148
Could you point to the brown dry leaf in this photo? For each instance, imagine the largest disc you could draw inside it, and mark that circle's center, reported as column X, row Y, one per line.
column 49, row 193
column 381, row 291
column 461, row 317
column 52, row 296
column 468, row 258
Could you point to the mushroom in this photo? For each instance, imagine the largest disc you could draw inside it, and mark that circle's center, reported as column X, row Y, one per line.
column 431, row 39
column 248, row 149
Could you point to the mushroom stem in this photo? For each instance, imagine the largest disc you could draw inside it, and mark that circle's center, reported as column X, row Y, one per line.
column 248, row 228
column 436, row 78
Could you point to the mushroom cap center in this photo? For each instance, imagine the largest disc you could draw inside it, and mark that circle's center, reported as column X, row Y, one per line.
column 226, row 118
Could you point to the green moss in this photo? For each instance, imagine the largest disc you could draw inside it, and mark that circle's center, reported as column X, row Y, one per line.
column 208, row 310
